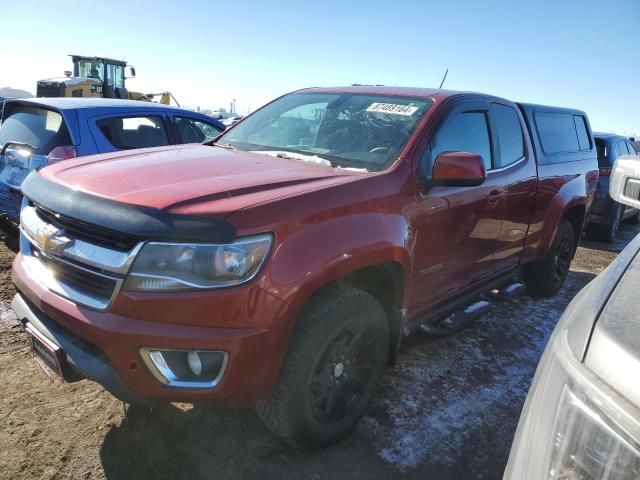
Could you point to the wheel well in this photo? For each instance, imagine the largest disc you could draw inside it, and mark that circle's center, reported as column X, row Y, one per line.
column 385, row 282
column 576, row 217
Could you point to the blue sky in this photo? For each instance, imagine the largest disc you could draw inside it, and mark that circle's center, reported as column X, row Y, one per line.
column 582, row 54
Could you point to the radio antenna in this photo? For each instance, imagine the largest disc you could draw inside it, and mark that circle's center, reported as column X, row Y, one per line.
column 443, row 79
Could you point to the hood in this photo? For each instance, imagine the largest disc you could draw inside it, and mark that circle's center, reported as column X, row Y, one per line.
column 614, row 347
column 193, row 178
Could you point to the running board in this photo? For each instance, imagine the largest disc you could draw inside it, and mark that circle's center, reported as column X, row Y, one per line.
column 508, row 292
column 436, row 315
column 457, row 320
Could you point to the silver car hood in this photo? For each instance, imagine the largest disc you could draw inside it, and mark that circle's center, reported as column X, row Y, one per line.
column 614, row 349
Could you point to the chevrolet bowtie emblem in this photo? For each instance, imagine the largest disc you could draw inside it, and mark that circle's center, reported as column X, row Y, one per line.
column 49, row 239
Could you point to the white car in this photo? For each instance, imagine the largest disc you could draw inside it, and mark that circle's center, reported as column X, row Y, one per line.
column 581, row 419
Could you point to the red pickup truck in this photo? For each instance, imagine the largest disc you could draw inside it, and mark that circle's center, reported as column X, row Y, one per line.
column 280, row 265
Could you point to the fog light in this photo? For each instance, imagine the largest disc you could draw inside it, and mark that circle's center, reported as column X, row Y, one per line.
column 185, row 368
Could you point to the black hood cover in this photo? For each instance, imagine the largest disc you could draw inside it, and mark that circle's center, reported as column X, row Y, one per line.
column 138, row 221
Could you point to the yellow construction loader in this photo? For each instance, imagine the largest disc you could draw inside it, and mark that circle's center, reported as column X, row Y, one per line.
column 97, row 77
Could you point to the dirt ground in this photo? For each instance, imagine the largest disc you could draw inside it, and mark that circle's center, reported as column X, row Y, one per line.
column 449, row 409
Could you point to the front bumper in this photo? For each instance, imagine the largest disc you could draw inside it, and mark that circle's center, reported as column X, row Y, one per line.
column 105, row 346
column 85, row 360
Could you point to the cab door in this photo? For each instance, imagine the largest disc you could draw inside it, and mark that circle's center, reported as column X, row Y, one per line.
column 457, row 229
column 515, row 159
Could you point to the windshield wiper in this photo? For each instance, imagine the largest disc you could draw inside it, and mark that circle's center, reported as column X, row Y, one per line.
column 228, row 146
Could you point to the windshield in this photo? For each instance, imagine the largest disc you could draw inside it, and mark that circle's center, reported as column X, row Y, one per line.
column 91, row 69
column 347, row 130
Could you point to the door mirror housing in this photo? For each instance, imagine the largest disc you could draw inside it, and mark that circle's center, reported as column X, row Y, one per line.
column 132, row 72
column 458, row 169
column 624, row 185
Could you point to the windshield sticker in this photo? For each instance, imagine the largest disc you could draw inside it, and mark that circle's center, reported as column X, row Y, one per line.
column 392, row 108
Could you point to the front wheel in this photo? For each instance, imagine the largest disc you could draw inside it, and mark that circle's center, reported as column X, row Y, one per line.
column 335, row 361
column 545, row 278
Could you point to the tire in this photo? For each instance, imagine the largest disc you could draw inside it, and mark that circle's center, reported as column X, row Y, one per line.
column 611, row 231
column 545, row 278
column 342, row 335
column 634, row 220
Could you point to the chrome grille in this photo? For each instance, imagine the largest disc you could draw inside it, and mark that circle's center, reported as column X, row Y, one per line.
column 72, row 265
column 88, row 281
column 632, row 189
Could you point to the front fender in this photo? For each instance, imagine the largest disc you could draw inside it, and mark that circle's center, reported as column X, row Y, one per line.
column 318, row 254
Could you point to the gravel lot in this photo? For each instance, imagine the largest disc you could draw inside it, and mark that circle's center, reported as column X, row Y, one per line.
column 448, row 410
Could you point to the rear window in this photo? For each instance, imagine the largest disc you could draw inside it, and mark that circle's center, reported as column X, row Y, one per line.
column 126, row 133
column 557, row 132
column 40, row 128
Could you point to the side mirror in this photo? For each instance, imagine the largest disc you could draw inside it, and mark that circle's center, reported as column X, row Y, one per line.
column 132, row 72
column 458, row 169
column 624, row 185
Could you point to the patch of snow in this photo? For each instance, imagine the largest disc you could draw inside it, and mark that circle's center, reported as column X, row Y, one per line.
column 445, row 392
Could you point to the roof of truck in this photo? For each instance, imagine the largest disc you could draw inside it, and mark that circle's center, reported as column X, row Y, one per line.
column 385, row 90
column 608, row 135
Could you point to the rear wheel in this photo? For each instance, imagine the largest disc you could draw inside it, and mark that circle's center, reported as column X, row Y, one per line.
column 335, row 361
column 546, row 277
column 611, row 231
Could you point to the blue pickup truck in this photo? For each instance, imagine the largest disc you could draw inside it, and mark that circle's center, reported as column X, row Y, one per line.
column 39, row 131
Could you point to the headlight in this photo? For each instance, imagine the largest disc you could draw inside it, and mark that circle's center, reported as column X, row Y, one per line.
column 589, row 444
column 573, row 426
column 184, row 266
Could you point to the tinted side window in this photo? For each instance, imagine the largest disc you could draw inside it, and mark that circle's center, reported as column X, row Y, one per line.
column 466, row 132
column 581, row 129
column 557, row 132
column 509, row 134
column 621, row 148
column 42, row 129
column 195, row 131
column 134, row 132
column 632, row 151
column 603, row 154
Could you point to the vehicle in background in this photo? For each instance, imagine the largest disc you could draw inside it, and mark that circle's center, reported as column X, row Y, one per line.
column 281, row 265
column 40, row 131
column 581, row 419
column 606, row 214
column 98, row 77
